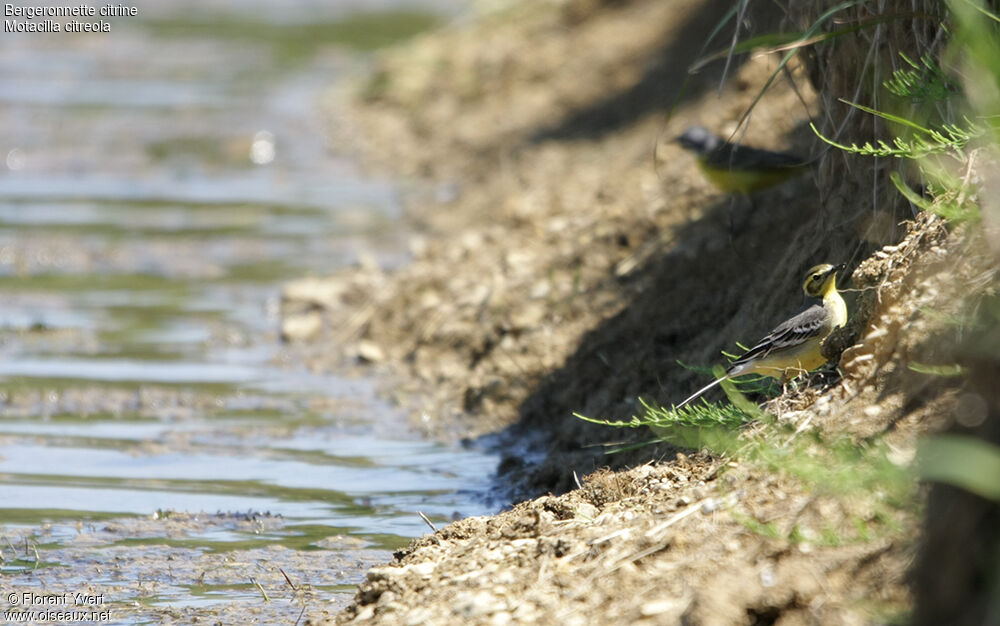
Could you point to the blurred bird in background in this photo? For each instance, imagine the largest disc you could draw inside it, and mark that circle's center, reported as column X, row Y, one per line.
column 736, row 168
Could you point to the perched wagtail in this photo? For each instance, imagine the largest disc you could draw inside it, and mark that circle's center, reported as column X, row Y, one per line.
column 736, row 168
column 795, row 346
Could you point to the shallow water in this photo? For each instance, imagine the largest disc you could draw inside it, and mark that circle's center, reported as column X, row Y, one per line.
column 157, row 186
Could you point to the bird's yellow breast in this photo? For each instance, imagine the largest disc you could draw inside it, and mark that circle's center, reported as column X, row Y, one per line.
column 809, row 354
column 792, row 362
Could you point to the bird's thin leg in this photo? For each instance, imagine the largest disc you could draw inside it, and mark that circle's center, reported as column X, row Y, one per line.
column 794, row 380
column 730, row 218
column 736, row 227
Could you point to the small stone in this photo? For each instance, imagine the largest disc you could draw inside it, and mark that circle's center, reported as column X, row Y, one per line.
column 586, row 511
column 528, row 316
column 658, row 607
column 493, row 555
column 365, row 614
column 423, row 569
column 382, row 573
column 540, row 290
column 901, row 457
column 418, row 617
column 320, row 292
column 501, row 619
column 386, row 598
column 370, row 352
column 767, row 576
column 470, row 605
column 418, row 246
column 302, row 326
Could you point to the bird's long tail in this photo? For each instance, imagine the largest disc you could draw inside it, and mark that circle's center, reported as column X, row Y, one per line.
column 698, row 393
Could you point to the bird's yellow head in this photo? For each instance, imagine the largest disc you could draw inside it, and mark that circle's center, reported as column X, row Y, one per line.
column 821, row 280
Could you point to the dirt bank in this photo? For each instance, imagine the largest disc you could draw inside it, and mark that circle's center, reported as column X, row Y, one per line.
column 569, row 257
column 563, row 262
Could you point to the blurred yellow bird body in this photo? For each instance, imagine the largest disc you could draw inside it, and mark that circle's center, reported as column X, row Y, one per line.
column 735, row 168
column 746, row 181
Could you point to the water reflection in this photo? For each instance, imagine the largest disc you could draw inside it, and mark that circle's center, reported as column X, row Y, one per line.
column 160, row 183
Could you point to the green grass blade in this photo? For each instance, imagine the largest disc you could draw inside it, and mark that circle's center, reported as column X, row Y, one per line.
column 889, row 116
column 961, row 461
column 915, row 198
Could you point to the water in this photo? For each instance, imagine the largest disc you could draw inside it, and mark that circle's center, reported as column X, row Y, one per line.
column 157, row 186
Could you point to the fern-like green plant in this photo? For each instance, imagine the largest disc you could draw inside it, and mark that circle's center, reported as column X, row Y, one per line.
column 948, row 140
column 697, row 426
column 921, row 82
column 930, row 146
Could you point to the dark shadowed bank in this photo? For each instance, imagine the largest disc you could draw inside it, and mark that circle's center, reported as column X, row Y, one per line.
column 569, row 256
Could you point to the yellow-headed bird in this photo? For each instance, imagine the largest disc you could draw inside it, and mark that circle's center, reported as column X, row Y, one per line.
column 795, row 346
column 736, row 168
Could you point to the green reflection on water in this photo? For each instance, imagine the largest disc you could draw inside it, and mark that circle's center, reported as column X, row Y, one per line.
column 266, row 271
column 297, row 41
column 35, row 516
column 302, row 537
column 17, row 565
column 23, row 384
column 129, row 444
column 75, row 283
column 344, row 503
column 123, row 230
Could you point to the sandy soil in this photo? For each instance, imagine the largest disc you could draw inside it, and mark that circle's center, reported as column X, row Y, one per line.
column 569, row 256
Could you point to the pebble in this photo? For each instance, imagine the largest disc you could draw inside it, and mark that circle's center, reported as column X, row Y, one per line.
column 540, row 290
column 767, row 576
column 365, row 614
column 314, row 291
column 370, row 352
column 418, row 617
column 642, row 471
column 529, row 316
column 386, row 598
column 501, row 619
column 493, row 555
column 423, row 569
column 586, row 511
column 301, row 327
column 658, row 607
column 476, row 605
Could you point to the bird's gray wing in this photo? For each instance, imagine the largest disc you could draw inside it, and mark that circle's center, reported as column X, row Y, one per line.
column 789, row 334
column 731, row 156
